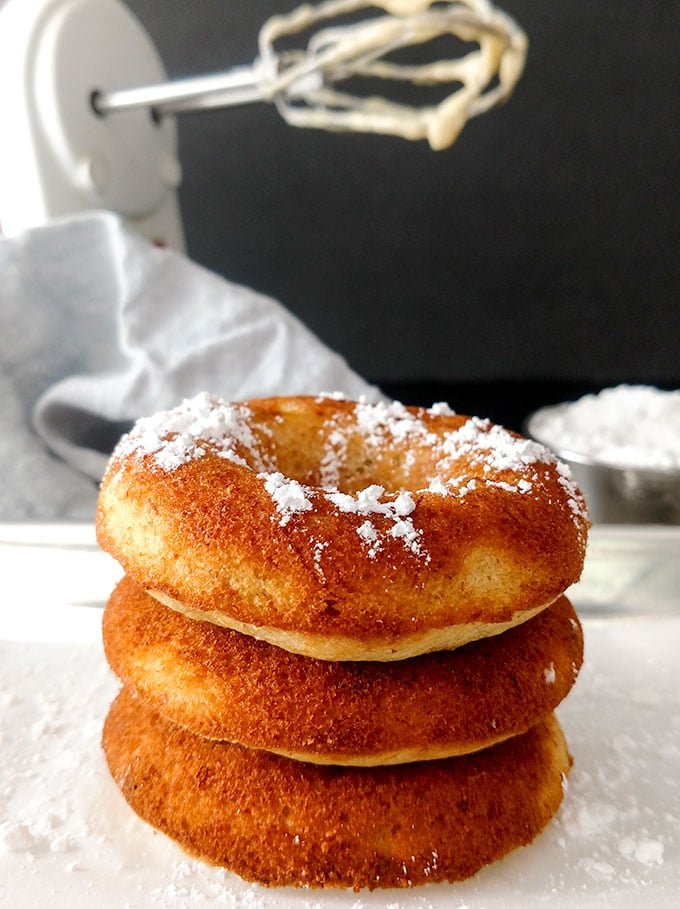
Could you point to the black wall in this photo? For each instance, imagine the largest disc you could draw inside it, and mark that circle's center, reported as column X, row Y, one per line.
column 542, row 245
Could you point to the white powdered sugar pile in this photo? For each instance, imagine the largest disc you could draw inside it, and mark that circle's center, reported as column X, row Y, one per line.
column 478, row 452
column 635, row 426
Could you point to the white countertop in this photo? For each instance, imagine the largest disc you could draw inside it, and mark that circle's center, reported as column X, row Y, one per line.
column 67, row 838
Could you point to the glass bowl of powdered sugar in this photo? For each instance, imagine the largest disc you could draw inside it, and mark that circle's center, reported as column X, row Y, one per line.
column 623, row 446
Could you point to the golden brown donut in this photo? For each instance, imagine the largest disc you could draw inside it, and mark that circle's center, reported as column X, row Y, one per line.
column 340, row 529
column 221, row 684
column 283, row 822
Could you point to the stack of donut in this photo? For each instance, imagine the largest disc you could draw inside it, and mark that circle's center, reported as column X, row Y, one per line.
column 341, row 635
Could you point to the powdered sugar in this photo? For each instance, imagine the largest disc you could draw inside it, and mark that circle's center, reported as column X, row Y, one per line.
column 369, row 535
column 494, row 450
column 289, row 496
column 384, row 423
column 492, row 446
column 645, row 851
column 634, row 426
column 180, row 435
column 405, row 531
column 442, row 409
column 372, row 501
column 17, row 837
column 620, row 821
column 333, row 459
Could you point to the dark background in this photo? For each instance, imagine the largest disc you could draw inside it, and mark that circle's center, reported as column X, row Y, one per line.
column 536, row 258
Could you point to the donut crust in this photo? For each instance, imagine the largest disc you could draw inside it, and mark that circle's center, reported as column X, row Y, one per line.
column 282, row 822
column 227, row 686
column 208, row 535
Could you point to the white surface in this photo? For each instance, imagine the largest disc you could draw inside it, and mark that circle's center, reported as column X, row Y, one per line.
column 67, row 838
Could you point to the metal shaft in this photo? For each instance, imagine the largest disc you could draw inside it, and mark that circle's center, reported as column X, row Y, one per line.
column 240, row 85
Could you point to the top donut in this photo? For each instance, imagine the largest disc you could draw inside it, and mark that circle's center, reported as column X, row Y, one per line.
column 341, row 529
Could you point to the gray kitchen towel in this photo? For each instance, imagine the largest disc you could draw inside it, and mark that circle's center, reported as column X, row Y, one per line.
column 99, row 327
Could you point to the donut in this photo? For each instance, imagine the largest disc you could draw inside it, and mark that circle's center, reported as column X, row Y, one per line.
column 283, row 822
column 340, row 529
column 223, row 685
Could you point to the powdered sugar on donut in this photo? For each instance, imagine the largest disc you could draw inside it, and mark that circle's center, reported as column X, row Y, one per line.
column 473, row 455
column 392, row 423
column 483, row 444
column 180, row 435
column 335, row 454
column 383, row 423
column 372, row 501
column 289, row 496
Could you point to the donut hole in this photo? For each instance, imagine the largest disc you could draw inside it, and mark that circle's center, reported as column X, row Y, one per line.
column 343, row 446
column 343, row 459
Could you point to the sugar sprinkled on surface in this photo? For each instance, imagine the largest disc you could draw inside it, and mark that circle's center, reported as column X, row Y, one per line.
column 616, row 840
column 649, row 852
column 17, row 837
column 620, row 820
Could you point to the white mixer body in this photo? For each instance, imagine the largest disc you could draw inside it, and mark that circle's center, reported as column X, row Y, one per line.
column 57, row 155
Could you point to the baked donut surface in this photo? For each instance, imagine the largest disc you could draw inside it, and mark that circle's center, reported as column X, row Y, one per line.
column 339, row 529
column 283, row 822
column 221, row 684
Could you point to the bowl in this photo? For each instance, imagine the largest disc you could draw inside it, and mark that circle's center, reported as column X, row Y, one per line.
column 614, row 493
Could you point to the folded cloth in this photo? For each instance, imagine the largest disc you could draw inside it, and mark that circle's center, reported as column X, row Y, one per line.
column 99, row 327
